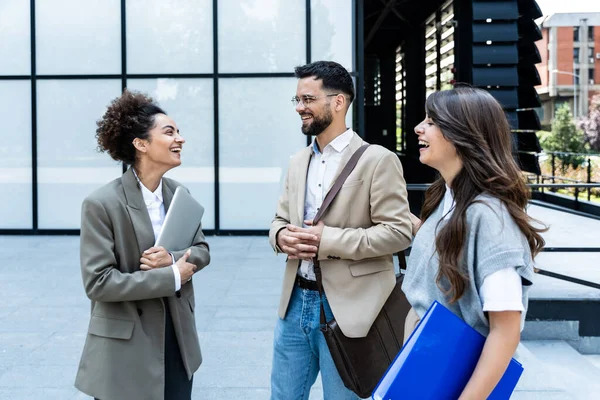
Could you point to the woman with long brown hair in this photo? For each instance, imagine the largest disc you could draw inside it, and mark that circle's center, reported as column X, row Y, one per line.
column 475, row 244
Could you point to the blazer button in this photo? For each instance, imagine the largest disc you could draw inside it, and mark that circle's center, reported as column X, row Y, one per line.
column 139, row 310
column 178, row 294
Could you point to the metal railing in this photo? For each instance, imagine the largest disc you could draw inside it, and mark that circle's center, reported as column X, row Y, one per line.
column 569, row 158
column 421, row 187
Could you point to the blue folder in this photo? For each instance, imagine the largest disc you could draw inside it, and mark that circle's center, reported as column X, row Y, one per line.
column 437, row 361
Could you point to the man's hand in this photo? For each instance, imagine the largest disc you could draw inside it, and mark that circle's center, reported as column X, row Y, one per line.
column 415, row 222
column 314, row 232
column 155, row 257
column 297, row 245
column 186, row 269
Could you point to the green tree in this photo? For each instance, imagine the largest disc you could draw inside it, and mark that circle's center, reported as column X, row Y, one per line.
column 591, row 125
column 565, row 137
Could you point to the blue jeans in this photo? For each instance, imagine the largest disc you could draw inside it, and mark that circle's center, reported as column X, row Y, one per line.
column 300, row 351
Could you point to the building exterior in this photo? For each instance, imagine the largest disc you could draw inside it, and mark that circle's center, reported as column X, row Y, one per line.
column 222, row 69
column 570, row 67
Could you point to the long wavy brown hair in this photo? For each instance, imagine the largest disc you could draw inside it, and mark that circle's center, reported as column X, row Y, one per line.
column 474, row 122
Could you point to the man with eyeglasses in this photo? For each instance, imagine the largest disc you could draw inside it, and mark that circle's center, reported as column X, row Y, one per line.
column 367, row 222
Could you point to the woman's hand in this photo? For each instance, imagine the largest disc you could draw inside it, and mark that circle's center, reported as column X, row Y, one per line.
column 155, row 257
column 186, row 269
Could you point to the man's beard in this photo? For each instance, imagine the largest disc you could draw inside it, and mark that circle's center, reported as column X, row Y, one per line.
column 318, row 125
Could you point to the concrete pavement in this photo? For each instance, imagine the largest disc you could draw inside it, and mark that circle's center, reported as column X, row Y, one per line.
column 44, row 315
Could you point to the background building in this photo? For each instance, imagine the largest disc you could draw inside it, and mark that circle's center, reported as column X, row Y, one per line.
column 570, row 67
column 223, row 69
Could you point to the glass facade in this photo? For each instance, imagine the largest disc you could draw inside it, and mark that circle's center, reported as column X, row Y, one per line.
column 431, row 55
column 222, row 69
column 400, row 100
column 68, row 165
column 439, row 49
column 16, row 207
column 447, row 46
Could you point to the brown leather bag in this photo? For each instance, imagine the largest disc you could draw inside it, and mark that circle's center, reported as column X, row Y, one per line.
column 361, row 362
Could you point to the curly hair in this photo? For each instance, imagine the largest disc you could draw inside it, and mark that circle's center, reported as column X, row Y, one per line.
column 129, row 116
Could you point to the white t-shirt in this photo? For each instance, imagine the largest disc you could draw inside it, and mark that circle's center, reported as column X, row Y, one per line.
column 501, row 290
column 321, row 171
column 156, row 211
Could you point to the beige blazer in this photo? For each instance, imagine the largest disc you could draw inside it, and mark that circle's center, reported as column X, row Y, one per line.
column 367, row 222
column 123, row 355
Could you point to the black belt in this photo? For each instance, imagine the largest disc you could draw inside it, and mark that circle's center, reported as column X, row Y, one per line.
column 306, row 284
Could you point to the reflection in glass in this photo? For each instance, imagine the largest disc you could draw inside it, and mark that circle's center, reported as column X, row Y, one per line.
column 190, row 103
column 78, row 37
column 169, row 36
column 261, row 35
column 332, row 36
column 447, row 47
column 69, row 166
column 400, row 100
column 15, row 155
column 15, row 53
column 257, row 139
column 372, row 81
column 431, row 55
column 439, row 49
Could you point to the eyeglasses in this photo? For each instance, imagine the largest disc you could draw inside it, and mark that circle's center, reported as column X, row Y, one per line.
column 308, row 100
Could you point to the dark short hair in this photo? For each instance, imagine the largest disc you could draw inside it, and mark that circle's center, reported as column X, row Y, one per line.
column 129, row 116
column 334, row 76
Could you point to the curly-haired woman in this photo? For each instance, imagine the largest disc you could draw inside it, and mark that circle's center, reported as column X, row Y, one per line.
column 474, row 248
column 142, row 341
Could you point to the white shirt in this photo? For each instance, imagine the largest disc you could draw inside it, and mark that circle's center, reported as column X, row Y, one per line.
column 321, row 171
column 156, row 211
column 501, row 290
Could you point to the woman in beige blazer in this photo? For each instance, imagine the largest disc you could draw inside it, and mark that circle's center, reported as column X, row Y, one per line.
column 142, row 341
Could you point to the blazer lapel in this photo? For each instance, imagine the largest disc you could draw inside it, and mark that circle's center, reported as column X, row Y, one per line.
column 168, row 193
column 354, row 144
column 303, row 162
column 140, row 219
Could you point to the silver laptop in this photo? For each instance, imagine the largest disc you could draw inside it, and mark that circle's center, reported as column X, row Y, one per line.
column 181, row 222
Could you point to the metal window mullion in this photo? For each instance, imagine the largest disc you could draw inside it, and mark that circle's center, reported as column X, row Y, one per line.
column 438, row 45
column 34, row 163
column 216, row 160
column 308, row 46
column 123, row 55
column 359, row 105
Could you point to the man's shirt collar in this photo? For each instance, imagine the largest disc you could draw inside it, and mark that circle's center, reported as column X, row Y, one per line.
column 338, row 144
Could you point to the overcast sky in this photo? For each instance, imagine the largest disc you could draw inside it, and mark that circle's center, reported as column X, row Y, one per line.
column 565, row 6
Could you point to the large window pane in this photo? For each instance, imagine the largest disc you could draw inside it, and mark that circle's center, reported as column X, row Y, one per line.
column 190, row 103
column 258, row 134
column 69, row 166
column 261, row 35
column 15, row 38
column 163, row 37
column 78, row 37
column 332, row 34
column 15, row 155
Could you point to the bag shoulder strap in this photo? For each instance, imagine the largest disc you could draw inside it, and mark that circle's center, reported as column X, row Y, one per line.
column 348, row 168
column 340, row 181
column 326, row 202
